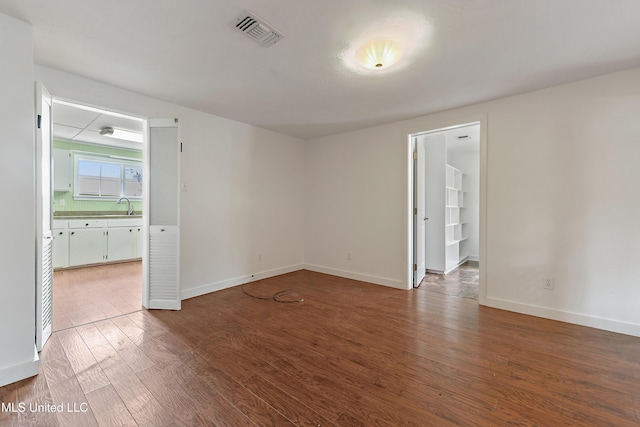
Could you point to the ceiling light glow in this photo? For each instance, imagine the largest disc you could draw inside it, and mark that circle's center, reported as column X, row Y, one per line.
column 127, row 135
column 379, row 54
column 387, row 45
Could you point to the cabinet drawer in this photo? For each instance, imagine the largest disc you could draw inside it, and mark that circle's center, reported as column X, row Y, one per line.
column 59, row 224
column 128, row 222
column 87, row 223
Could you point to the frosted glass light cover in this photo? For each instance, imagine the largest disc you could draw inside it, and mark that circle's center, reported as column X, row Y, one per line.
column 379, row 54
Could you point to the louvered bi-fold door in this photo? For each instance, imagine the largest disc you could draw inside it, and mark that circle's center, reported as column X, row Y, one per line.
column 44, row 315
column 44, row 236
column 162, row 266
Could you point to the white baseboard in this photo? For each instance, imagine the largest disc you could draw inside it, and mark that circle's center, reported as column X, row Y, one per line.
column 566, row 316
column 473, row 258
column 21, row 371
column 235, row 281
column 384, row 281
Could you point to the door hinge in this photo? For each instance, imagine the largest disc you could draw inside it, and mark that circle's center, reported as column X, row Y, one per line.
column 415, row 154
column 415, row 211
column 39, row 120
column 181, row 147
column 415, row 267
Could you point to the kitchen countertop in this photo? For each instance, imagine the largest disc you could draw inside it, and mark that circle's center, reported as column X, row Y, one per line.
column 94, row 215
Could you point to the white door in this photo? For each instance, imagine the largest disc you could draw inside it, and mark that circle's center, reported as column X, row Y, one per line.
column 435, row 161
column 161, row 268
column 419, row 213
column 44, row 237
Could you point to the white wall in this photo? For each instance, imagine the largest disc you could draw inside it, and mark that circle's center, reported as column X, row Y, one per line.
column 468, row 161
column 562, row 186
column 354, row 204
column 245, row 188
column 17, row 250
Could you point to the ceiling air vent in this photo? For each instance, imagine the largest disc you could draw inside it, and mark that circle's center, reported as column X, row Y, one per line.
column 255, row 28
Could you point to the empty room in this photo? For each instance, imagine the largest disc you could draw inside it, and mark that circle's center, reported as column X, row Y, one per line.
column 320, row 213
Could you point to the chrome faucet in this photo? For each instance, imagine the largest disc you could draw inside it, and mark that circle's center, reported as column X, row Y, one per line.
column 129, row 208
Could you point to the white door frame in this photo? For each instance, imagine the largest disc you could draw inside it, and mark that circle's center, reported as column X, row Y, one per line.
column 145, row 143
column 419, row 214
column 407, row 138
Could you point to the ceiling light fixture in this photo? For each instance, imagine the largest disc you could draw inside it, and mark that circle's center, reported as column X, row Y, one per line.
column 379, row 54
column 121, row 134
column 106, row 131
column 386, row 46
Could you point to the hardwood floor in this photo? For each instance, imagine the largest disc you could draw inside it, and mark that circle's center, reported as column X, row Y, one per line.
column 351, row 354
column 88, row 294
column 463, row 282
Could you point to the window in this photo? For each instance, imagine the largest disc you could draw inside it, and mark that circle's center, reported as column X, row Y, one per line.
column 133, row 181
column 107, row 178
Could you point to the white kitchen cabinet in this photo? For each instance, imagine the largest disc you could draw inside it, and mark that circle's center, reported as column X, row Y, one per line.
column 87, row 242
column 60, row 252
column 139, row 241
column 123, row 238
column 62, row 170
column 121, row 243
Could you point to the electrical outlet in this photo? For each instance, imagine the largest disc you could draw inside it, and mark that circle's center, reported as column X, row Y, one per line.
column 259, row 257
column 61, row 202
column 348, row 256
column 183, row 186
column 547, row 282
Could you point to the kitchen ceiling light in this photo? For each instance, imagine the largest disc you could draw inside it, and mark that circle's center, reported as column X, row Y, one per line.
column 107, row 131
column 121, row 134
column 379, row 54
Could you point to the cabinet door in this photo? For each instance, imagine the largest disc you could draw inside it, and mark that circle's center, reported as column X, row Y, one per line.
column 87, row 246
column 62, row 170
column 121, row 243
column 139, row 241
column 60, row 248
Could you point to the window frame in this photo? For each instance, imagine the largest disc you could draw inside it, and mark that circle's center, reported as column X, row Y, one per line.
column 122, row 161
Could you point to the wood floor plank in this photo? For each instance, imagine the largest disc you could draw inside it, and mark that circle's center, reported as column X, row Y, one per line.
column 164, row 385
column 84, row 365
column 218, row 409
column 66, row 391
column 241, row 398
column 143, row 406
column 286, row 404
column 92, row 336
column 352, row 354
column 108, row 408
column 128, row 351
column 17, row 400
column 89, row 294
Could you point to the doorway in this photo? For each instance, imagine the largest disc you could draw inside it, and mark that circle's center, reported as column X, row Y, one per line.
column 447, row 209
column 98, row 200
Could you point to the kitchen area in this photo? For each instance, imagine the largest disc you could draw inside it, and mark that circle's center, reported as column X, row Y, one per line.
column 97, row 214
column 90, row 227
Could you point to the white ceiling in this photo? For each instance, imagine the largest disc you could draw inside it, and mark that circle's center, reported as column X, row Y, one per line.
column 463, row 139
column 78, row 124
column 460, row 52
